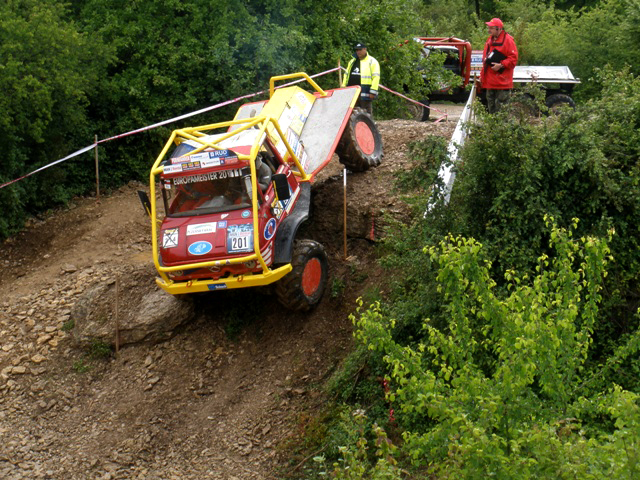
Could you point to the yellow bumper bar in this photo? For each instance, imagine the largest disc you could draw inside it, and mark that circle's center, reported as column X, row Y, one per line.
column 241, row 281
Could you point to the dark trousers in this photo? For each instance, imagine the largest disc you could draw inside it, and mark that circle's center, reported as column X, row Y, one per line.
column 366, row 104
column 496, row 99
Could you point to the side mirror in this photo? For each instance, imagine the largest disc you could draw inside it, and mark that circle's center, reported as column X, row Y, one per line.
column 146, row 203
column 282, row 186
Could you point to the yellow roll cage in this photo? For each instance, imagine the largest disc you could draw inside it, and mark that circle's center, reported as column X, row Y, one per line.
column 199, row 135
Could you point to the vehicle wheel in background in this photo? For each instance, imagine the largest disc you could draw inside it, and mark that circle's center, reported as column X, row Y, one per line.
column 523, row 105
column 558, row 101
column 418, row 112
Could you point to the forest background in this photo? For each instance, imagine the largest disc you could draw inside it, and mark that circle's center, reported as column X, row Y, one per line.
column 73, row 70
column 507, row 344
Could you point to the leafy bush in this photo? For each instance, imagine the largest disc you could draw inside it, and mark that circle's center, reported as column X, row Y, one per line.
column 50, row 68
column 580, row 164
column 499, row 387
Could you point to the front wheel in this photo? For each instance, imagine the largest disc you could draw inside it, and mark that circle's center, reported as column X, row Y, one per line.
column 302, row 288
column 523, row 105
column 360, row 146
column 426, row 112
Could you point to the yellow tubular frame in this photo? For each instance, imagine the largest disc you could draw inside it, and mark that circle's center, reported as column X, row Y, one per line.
column 273, row 80
column 196, row 133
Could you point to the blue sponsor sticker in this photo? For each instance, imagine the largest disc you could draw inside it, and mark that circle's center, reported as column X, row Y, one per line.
column 270, row 229
column 222, row 224
column 220, row 153
column 246, row 214
column 218, row 286
column 200, row 248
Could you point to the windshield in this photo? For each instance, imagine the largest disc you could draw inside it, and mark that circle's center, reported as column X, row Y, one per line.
column 205, row 193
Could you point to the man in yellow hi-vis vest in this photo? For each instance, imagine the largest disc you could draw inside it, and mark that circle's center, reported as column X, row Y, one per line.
column 363, row 70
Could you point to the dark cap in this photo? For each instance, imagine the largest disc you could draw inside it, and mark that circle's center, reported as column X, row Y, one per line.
column 359, row 46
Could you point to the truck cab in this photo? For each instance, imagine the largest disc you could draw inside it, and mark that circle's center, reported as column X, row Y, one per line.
column 209, row 211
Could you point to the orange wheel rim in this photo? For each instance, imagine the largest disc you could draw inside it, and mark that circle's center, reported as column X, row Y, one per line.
column 364, row 137
column 311, row 277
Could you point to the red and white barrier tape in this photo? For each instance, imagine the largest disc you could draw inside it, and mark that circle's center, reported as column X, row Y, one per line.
column 74, row 154
column 159, row 124
column 444, row 115
column 207, row 109
column 198, row 112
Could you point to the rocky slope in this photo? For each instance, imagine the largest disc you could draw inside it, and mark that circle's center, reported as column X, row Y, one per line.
column 216, row 398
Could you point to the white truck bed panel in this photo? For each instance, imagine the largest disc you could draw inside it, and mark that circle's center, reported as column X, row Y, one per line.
column 555, row 74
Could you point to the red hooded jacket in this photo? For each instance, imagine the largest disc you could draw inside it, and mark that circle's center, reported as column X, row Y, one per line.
column 506, row 53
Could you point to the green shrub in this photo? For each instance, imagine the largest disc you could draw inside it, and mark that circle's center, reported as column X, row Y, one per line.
column 501, row 383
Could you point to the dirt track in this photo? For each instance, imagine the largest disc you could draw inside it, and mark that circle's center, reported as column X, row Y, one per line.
column 222, row 397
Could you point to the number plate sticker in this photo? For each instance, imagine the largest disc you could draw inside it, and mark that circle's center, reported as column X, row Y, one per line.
column 240, row 238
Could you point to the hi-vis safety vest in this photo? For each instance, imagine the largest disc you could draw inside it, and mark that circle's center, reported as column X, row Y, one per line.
column 369, row 74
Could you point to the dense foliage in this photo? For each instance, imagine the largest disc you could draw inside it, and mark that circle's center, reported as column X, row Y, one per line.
column 512, row 343
column 109, row 66
column 48, row 71
column 582, row 164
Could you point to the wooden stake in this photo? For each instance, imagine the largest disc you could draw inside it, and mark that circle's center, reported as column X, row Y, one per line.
column 117, row 316
column 345, row 213
column 97, row 171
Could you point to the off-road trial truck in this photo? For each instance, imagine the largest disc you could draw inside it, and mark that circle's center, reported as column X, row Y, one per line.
column 233, row 194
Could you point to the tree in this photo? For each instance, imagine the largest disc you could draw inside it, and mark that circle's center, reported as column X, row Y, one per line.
column 49, row 68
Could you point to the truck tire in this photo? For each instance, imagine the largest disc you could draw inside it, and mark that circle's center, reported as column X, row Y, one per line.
column 556, row 101
column 360, row 146
column 302, row 288
column 425, row 111
column 418, row 112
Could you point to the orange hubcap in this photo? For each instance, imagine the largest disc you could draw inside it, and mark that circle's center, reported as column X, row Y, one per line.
column 364, row 137
column 311, row 277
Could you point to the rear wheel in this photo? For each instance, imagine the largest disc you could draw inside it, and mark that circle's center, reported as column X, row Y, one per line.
column 418, row 112
column 556, row 102
column 302, row 288
column 360, row 146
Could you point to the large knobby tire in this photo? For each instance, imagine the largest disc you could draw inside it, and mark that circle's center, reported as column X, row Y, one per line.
column 426, row 112
column 360, row 146
column 557, row 101
column 302, row 288
column 418, row 112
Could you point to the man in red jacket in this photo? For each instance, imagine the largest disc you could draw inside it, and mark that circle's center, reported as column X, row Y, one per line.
column 498, row 62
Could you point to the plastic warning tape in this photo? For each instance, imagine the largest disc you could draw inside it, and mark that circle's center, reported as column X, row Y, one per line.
column 439, row 119
column 159, row 124
column 444, row 115
column 74, row 154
